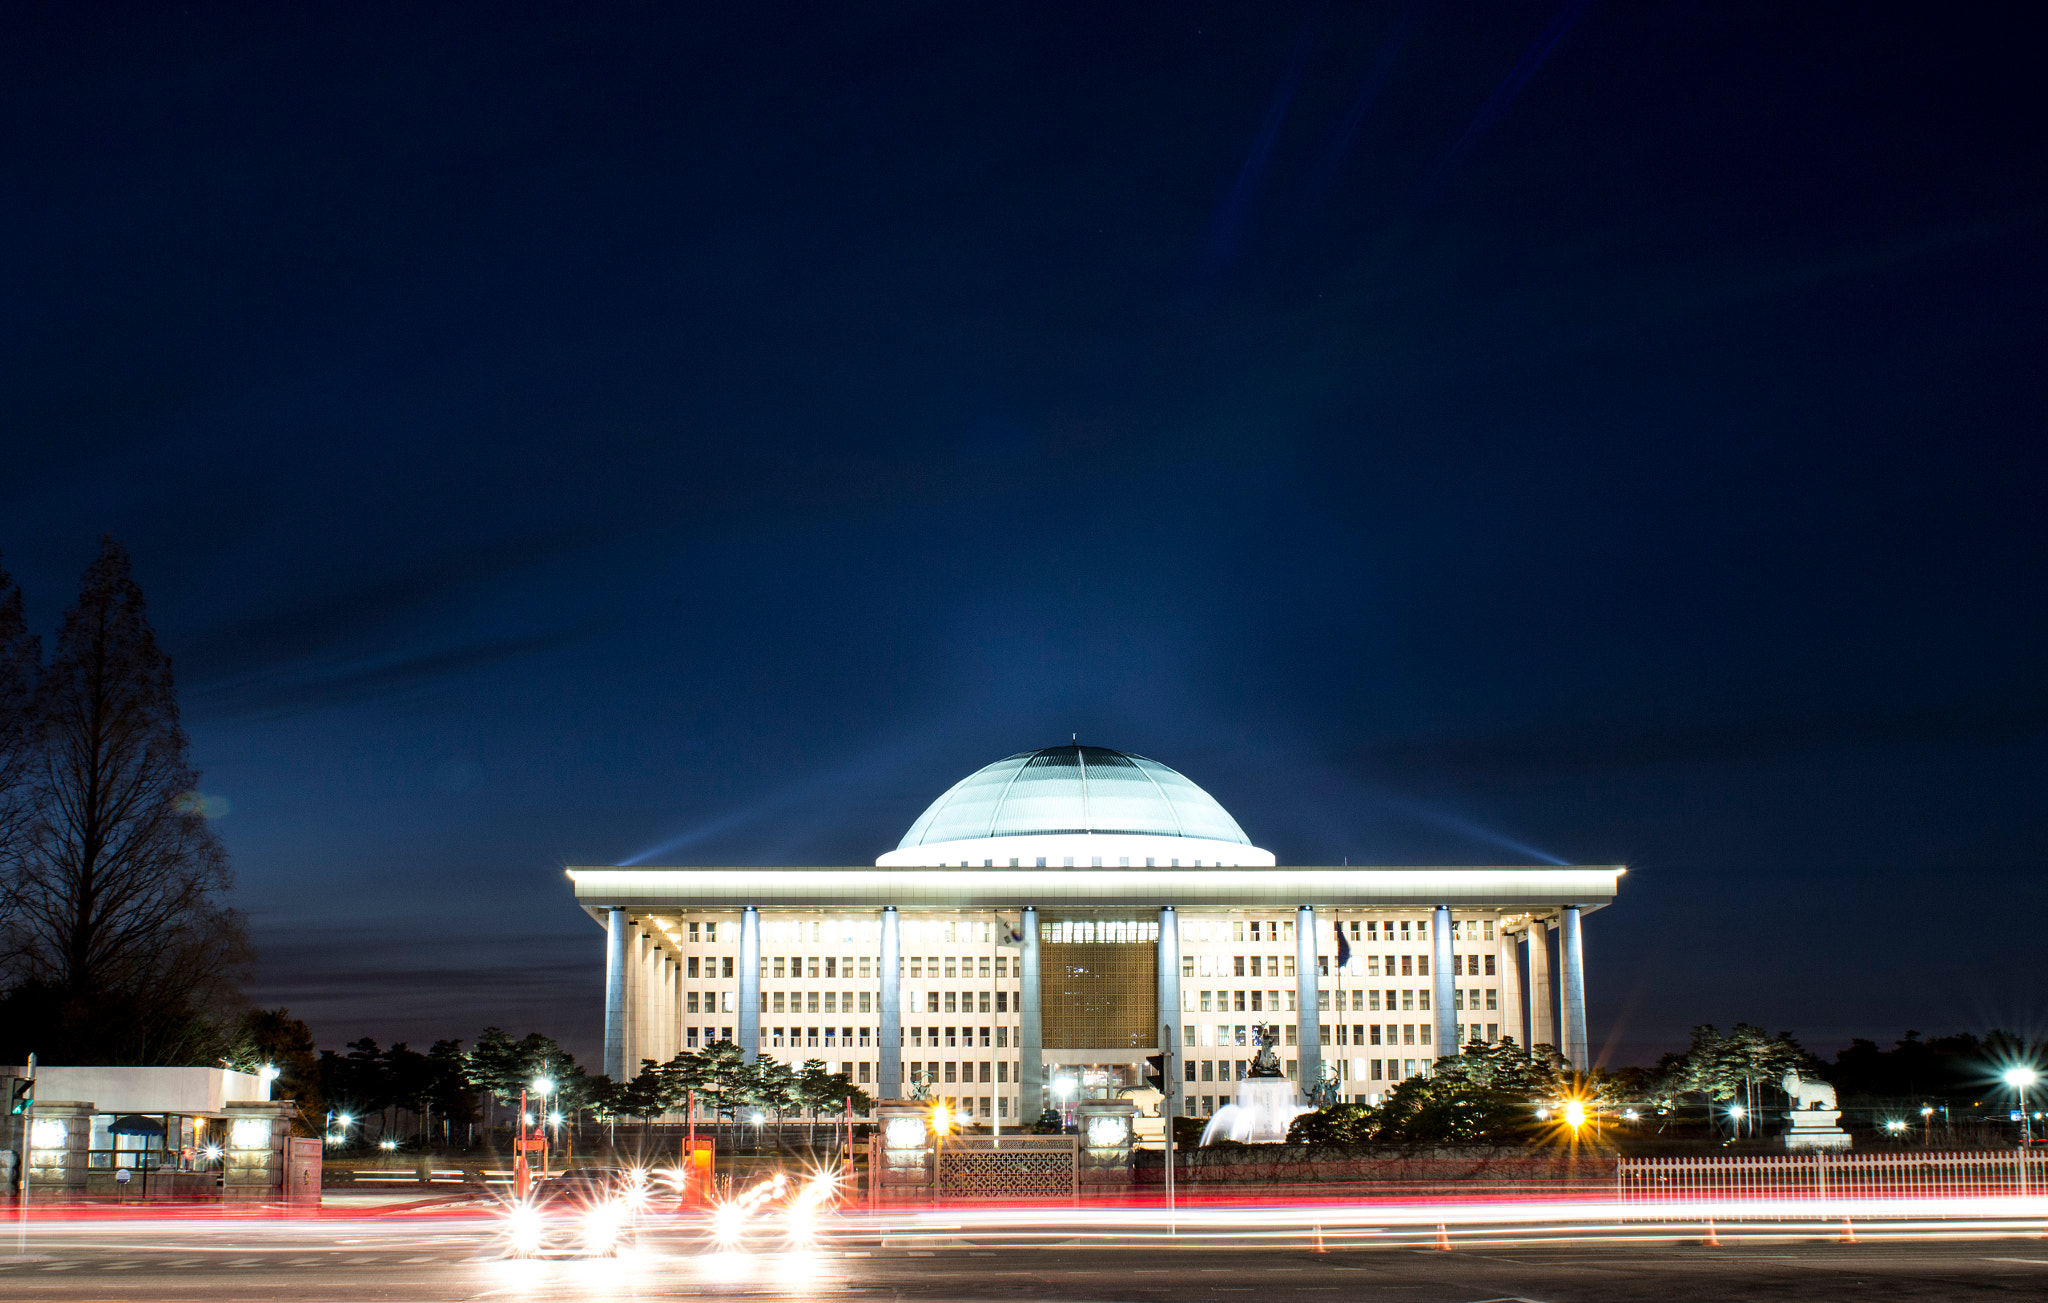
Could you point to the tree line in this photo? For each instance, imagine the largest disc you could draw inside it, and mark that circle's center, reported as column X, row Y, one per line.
column 1504, row 1093
column 444, row 1094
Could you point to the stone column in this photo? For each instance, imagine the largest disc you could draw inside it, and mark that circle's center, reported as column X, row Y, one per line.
column 615, row 994
column 257, row 1133
column 1574, row 1003
column 1443, row 978
column 889, row 1065
column 1306, row 986
column 750, row 983
column 675, row 1005
column 1542, row 1023
column 1170, row 1012
column 1031, row 1063
column 1511, row 1021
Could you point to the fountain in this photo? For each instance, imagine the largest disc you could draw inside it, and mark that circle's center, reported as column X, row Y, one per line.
column 1265, row 1106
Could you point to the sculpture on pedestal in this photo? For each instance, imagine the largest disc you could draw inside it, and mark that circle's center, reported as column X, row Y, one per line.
column 1814, row 1115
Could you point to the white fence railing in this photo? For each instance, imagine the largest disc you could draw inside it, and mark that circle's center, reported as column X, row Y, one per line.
column 1834, row 1176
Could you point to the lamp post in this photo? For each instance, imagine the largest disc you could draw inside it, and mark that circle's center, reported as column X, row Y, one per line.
column 543, row 1087
column 942, row 1121
column 2019, row 1079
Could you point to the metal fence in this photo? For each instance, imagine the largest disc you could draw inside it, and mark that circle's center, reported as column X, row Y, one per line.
column 1833, row 1176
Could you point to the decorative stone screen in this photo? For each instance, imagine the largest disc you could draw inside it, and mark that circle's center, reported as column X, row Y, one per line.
column 1098, row 995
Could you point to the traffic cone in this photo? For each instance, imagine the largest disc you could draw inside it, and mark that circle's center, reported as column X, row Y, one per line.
column 1848, row 1233
column 1443, row 1237
column 1315, row 1241
column 1712, row 1241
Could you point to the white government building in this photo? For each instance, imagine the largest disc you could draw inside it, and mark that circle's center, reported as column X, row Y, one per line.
column 1053, row 917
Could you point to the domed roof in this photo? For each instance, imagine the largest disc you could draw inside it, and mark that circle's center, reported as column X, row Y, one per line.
column 1073, row 789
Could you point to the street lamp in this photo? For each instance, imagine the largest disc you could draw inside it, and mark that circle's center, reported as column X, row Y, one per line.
column 1735, row 1114
column 2019, row 1079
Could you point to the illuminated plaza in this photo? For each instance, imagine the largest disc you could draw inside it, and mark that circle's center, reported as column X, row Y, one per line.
column 1054, row 916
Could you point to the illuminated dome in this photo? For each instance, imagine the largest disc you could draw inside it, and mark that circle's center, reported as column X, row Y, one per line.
column 1073, row 807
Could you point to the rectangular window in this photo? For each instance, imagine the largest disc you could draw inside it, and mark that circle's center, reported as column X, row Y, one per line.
column 711, row 933
column 1354, row 929
column 1002, row 1037
column 1407, row 966
column 726, row 963
column 1375, row 1069
column 1322, row 1001
column 693, row 965
column 931, row 1001
column 1255, row 929
column 1287, row 963
column 1237, row 966
column 949, row 1003
column 1422, row 965
column 1493, row 1031
column 1255, row 1002
column 1342, row 1033
column 1425, row 1033
column 1292, row 1033
column 1208, row 1070
column 1187, row 1034
column 1458, row 998
column 1323, row 1034
column 1205, row 1002
column 1422, row 1000
column 949, row 966
column 866, row 998
column 1187, row 965
column 1240, row 1030
column 1372, row 965
column 950, row 1039
column 984, row 1038
column 864, row 966
column 1358, row 999
column 951, row 1078
column 1238, row 926
column 1190, row 1069
column 1374, row 1030
column 983, row 1002
column 831, row 966
column 693, row 941
column 1372, row 1000
column 917, row 965
column 863, row 1038
column 1002, row 1071
column 1493, row 997
column 690, row 1002
column 984, row 965
column 1255, row 961
column 1408, row 1033
column 1404, row 932
column 1238, row 997
column 1002, row 1002
column 1408, row 1001
column 1003, row 966
column 690, row 1033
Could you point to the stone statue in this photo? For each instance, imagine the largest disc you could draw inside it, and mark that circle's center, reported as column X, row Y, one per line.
column 920, row 1085
column 1266, row 1063
column 1814, row 1115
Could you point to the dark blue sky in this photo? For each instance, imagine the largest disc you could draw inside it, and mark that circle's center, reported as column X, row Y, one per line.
column 1448, row 434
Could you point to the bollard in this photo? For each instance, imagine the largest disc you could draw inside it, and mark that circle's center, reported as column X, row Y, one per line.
column 1848, row 1233
column 1443, row 1237
column 1315, row 1243
column 1712, row 1241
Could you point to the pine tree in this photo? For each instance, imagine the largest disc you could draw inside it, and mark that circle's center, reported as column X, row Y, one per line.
column 123, row 948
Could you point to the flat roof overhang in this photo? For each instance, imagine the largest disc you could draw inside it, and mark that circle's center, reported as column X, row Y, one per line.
column 1512, row 887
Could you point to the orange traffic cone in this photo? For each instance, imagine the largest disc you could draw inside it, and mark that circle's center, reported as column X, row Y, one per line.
column 1848, row 1233
column 1712, row 1241
column 1443, row 1237
column 1315, row 1241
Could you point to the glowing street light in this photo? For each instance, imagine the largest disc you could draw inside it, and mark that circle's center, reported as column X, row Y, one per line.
column 2019, row 1079
column 1574, row 1114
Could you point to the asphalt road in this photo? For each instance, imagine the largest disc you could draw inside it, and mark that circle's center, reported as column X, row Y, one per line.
column 461, row 1260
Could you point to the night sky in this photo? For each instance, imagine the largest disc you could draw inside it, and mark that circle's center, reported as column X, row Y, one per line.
column 700, row 434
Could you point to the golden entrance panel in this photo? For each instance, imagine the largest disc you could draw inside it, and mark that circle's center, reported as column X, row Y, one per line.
column 1097, row 995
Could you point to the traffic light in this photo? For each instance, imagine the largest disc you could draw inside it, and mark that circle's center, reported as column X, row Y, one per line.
column 24, row 1096
column 1155, row 1072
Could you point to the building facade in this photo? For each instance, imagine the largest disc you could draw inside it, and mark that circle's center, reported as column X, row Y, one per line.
column 1058, row 916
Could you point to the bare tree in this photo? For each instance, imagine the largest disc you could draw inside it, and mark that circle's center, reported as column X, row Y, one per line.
column 121, row 930
column 19, row 657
